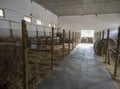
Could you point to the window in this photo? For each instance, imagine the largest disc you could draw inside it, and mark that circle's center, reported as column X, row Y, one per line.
column 1, row 12
column 39, row 22
column 50, row 24
column 28, row 19
column 54, row 26
column 87, row 33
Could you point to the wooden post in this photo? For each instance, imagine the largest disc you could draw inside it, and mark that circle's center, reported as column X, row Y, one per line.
column 78, row 37
column 36, row 32
column 11, row 31
column 75, row 39
column 118, row 52
column 63, row 41
column 102, row 40
column 25, row 59
column 100, row 35
column 52, row 50
column 72, row 40
column 69, row 43
column 108, row 45
column 106, row 56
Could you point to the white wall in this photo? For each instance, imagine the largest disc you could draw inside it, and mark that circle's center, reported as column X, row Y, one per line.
column 90, row 22
column 16, row 9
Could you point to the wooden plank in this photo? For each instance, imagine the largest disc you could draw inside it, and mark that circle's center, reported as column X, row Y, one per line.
column 118, row 52
column 63, row 45
column 25, row 51
column 52, row 50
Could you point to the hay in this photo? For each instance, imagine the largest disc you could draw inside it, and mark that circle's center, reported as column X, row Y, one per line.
column 11, row 65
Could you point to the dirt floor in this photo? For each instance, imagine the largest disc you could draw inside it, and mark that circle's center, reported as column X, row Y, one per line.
column 110, row 68
column 39, row 64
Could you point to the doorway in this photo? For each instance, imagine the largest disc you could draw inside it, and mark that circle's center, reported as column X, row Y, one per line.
column 87, row 36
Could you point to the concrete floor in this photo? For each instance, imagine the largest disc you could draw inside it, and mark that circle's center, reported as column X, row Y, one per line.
column 82, row 69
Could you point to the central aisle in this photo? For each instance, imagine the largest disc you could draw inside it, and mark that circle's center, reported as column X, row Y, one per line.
column 82, row 69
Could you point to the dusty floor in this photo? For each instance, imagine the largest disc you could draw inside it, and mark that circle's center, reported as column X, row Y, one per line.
column 82, row 69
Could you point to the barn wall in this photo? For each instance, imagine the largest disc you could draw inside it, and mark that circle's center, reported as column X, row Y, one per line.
column 15, row 10
column 90, row 22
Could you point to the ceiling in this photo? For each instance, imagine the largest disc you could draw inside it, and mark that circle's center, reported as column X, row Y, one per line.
column 80, row 7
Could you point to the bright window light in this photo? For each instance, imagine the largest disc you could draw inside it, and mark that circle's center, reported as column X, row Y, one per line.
column 50, row 25
column 87, row 33
column 28, row 19
column 39, row 22
column 54, row 25
column 1, row 12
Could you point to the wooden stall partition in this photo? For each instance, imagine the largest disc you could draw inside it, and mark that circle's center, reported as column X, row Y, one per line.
column 25, row 51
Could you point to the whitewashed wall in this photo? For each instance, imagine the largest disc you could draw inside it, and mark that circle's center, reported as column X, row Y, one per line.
column 90, row 22
column 15, row 10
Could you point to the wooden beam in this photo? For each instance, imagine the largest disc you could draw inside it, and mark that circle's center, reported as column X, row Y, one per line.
column 118, row 52
column 25, row 51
